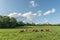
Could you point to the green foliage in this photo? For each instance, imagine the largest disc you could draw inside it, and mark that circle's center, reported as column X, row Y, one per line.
column 13, row 22
column 6, row 22
column 20, row 23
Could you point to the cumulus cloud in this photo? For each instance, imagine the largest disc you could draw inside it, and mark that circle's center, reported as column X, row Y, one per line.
column 14, row 14
column 29, row 15
column 53, row 10
column 33, row 4
column 50, row 11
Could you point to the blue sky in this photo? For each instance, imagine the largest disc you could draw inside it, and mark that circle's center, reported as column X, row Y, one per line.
column 30, row 9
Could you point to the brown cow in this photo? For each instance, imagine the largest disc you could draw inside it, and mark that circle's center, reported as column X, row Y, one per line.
column 47, row 30
column 21, row 31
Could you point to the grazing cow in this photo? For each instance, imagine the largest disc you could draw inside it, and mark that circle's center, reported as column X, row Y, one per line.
column 47, row 30
column 21, row 31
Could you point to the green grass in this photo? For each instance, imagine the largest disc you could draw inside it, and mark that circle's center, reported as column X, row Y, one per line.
column 13, row 34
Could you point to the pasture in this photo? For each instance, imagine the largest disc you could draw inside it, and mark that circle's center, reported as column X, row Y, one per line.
column 28, row 34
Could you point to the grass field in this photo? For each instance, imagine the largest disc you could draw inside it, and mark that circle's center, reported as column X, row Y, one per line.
column 13, row 34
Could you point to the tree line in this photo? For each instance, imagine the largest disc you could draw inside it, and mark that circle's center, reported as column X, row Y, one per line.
column 7, row 22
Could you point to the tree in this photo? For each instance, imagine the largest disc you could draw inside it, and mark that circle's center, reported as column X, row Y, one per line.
column 13, row 22
column 1, row 21
column 6, row 20
column 21, row 23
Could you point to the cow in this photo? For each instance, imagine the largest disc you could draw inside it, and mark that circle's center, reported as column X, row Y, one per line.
column 48, row 30
column 21, row 31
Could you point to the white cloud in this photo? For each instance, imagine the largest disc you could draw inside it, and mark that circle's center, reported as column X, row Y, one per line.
column 33, row 4
column 50, row 11
column 53, row 10
column 29, row 15
column 14, row 14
